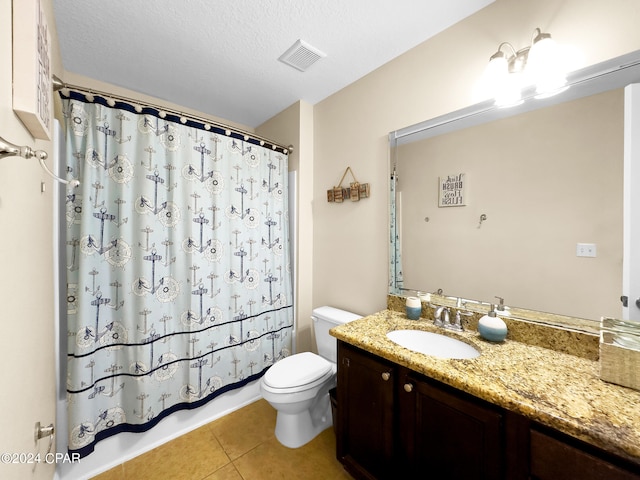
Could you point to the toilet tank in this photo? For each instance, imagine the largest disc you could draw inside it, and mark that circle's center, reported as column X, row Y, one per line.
column 324, row 319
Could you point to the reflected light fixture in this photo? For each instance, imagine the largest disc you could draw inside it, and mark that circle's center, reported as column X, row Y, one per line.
column 540, row 64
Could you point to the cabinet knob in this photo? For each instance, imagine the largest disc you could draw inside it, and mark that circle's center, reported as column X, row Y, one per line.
column 408, row 387
column 386, row 376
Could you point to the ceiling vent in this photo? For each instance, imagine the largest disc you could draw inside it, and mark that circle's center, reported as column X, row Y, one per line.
column 301, row 56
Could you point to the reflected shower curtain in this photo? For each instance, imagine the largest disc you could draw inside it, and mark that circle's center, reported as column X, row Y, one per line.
column 396, row 281
column 178, row 275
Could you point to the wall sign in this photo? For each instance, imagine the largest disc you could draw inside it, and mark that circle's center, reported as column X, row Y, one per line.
column 354, row 192
column 32, row 89
column 451, row 191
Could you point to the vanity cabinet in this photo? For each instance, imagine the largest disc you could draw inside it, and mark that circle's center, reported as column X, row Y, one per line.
column 445, row 432
column 394, row 423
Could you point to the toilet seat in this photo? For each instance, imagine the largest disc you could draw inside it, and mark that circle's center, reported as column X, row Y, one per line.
column 298, row 372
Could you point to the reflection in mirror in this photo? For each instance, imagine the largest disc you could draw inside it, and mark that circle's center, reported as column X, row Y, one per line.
column 525, row 191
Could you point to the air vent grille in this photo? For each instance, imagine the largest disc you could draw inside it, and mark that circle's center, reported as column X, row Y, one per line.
column 301, row 56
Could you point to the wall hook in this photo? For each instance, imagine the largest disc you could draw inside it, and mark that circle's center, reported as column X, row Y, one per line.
column 8, row 149
column 483, row 217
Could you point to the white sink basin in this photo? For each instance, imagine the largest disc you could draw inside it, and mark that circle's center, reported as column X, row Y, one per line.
column 433, row 344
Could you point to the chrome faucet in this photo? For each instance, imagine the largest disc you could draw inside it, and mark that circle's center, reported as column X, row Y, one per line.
column 442, row 318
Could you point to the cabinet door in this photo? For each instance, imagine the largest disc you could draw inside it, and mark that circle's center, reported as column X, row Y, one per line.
column 553, row 458
column 447, row 434
column 365, row 413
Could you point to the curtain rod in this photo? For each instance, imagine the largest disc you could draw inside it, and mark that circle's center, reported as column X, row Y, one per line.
column 111, row 98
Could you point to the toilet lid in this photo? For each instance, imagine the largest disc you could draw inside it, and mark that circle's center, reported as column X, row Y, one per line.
column 297, row 370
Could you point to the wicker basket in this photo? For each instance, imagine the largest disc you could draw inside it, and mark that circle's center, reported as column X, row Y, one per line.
column 620, row 353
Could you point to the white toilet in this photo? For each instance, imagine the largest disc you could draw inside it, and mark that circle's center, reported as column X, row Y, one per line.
column 298, row 386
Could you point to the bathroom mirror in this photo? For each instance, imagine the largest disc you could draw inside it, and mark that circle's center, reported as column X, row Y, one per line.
column 530, row 207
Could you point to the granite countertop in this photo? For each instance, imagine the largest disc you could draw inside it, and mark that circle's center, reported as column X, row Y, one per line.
column 556, row 389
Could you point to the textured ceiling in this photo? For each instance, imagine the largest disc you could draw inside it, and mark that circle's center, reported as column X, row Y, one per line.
column 220, row 57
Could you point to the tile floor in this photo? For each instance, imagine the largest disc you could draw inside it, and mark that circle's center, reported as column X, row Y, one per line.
column 238, row 446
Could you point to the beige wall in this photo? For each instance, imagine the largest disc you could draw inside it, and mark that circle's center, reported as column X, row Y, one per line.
column 26, row 255
column 546, row 180
column 351, row 239
column 294, row 126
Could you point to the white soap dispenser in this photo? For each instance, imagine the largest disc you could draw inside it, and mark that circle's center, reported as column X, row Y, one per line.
column 491, row 327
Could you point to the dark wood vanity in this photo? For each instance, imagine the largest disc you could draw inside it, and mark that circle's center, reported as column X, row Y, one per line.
column 394, row 422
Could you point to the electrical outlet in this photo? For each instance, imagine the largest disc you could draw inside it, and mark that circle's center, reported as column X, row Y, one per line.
column 586, row 250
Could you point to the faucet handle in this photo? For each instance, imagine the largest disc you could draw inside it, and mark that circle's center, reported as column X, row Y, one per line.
column 458, row 323
column 500, row 306
column 446, row 320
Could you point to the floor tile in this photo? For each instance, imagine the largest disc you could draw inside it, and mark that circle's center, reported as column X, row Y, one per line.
column 228, row 472
column 192, row 456
column 116, row 473
column 245, row 429
column 271, row 461
column 238, row 446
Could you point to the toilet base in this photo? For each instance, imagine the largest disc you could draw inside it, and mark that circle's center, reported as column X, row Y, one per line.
column 296, row 430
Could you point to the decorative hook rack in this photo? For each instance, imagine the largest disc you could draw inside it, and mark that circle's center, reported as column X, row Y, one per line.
column 8, row 149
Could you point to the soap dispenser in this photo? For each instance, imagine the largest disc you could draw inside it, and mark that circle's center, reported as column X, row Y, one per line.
column 491, row 327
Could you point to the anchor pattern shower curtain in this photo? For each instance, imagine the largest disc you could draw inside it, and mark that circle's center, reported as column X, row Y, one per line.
column 396, row 281
column 178, row 273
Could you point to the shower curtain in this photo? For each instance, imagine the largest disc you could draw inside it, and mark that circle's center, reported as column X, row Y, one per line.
column 396, row 281
column 178, row 273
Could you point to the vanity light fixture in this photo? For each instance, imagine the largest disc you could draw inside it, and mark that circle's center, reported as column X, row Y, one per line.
column 540, row 64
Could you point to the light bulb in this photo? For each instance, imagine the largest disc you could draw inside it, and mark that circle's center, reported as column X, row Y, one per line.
column 509, row 91
column 546, row 67
column 494, row 75
column 496, row 70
